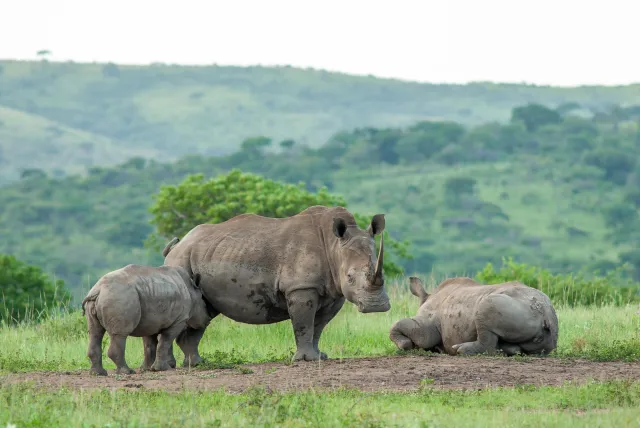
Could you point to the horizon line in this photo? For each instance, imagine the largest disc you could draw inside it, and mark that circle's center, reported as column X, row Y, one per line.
column 310, row 68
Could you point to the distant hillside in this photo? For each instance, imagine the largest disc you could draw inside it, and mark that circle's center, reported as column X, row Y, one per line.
column 552, row 190
column 67, row 116
column 30, row 141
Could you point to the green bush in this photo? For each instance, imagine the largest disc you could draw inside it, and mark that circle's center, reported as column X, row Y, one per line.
column 564, row 289
column 26, row 291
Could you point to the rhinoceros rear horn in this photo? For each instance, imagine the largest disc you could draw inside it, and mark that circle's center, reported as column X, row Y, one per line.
column 378, row 272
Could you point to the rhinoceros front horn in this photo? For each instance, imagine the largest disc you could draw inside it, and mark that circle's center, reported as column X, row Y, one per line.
column 377, row 281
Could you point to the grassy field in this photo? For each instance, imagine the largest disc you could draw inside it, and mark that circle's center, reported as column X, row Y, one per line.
column 615, row 404
column 59, row 343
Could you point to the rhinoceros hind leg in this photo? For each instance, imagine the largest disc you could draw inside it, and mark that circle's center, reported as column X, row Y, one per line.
column 172, row 359
column 510, row 349
column 116, row 353
column 150, row 344
column 486, row 343
column 165, row 340
column 96, row 334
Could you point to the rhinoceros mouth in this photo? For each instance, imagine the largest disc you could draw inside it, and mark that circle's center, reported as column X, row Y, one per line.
column 365, row 309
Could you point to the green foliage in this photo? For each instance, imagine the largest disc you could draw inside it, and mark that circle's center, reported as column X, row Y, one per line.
column 67, row 117
column 534, row 116
column 462, row 196
column 26, row 289
column 179, row 208
column 567, row 289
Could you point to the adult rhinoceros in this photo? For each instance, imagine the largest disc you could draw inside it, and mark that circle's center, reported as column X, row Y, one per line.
column 261, row 270
column 464, row 317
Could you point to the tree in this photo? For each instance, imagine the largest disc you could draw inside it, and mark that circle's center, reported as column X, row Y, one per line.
column 615, row 163
column 177, row 209
column 461, row 185
column 534, row 116
column 632, row 257
column 25, row 290
column 287, row 144
column 620, row 216
column 110, row 70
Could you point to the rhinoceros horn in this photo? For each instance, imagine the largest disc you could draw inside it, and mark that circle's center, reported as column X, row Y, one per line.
column 377, row 281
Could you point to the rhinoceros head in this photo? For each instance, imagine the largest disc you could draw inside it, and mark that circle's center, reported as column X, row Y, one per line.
column 201, row 310
column 360, row 271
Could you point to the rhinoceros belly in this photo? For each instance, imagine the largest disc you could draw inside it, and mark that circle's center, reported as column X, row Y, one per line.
column 457, row 325
column 247, row 300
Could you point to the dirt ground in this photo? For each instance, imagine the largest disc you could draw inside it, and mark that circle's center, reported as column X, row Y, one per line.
column 367, row 374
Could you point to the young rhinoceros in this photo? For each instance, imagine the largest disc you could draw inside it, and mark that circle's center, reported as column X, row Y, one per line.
column 462, row 316
column 155, row 303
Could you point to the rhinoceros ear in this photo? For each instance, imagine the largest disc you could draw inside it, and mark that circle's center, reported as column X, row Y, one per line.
column 417, row 289
column 339, row 227
column 377, row 224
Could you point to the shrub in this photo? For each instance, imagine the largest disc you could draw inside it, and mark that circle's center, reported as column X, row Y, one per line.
column 26, row 291
column 564, row 289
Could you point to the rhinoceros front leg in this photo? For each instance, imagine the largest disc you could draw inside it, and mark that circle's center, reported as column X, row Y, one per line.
column 409, row 333
column 302, row 305
column 165, row 340
column 322, row 319
column 188, row 341
column 487, row 342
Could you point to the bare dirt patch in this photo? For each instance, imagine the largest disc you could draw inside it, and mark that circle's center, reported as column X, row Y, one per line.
column 402, row 373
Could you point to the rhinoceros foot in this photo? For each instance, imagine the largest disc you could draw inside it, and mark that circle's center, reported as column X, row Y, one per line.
column 160, row 366
column 192, row 361
column 309, row 355
column 473, row 348
column 98, row 372
column 125, row 371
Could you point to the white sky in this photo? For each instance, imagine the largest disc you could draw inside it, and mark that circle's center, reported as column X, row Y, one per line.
column 560, row 42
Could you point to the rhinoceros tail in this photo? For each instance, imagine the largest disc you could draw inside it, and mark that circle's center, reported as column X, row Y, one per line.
column 169, row 246
column 91, row 297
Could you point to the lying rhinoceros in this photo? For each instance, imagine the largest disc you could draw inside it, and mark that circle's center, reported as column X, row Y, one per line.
column 464, row 317
column 261, row 270
column 155, row 303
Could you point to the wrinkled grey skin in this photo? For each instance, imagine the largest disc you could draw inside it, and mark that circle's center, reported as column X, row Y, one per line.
column 155, row 303
column 260, row 270
column 462, row 316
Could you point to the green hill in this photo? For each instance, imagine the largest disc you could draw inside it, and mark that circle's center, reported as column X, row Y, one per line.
column 73, row 114
column 30, row 141
column 549, row 189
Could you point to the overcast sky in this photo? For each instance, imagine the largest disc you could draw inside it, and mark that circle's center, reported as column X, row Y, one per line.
column 560, row 42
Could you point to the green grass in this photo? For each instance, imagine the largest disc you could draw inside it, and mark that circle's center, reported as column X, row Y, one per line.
column 615, row 404
column 60, row 342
